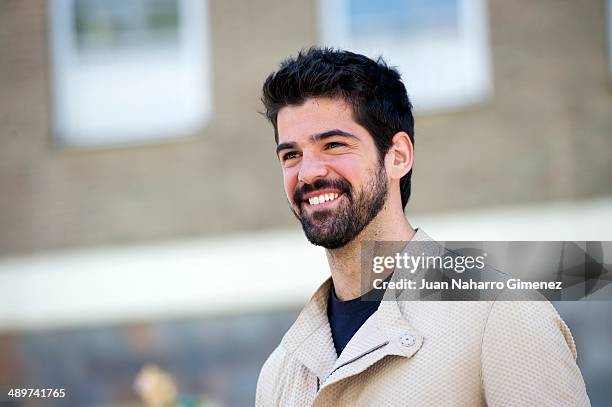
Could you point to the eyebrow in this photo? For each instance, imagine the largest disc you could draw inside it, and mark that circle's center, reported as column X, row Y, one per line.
column 316, row 138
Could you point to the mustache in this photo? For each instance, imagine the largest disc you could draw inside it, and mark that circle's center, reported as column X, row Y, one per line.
column 339, row 184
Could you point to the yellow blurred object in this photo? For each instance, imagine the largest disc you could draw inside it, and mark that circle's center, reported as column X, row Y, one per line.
column 155, row 387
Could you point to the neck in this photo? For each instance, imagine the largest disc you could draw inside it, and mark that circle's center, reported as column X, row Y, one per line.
column 345, row 262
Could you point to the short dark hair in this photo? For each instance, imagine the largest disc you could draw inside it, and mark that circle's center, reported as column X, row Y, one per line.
column 374, row 91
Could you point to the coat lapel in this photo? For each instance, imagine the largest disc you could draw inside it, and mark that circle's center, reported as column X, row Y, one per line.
column 310, row 339
column 385, row 333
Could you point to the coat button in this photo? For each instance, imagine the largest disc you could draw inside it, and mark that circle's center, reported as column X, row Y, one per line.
column 407, row 340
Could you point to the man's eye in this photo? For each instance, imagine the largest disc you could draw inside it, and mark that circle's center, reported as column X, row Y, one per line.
column 333, row 144
column 290, row 155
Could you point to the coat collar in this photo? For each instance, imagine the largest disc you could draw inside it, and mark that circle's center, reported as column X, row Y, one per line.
column 386, row 332
column 309, row 338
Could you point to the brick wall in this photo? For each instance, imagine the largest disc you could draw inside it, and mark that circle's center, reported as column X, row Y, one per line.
column 545, row 135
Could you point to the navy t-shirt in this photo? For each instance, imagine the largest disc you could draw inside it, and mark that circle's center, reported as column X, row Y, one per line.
column 346, row 317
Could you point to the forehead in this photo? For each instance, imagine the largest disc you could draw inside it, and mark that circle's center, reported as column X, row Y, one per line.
column 316, row 116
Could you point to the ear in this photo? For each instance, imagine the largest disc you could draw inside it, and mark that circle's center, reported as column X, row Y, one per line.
column 400, row 156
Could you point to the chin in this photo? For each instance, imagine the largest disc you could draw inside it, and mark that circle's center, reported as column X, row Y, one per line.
column 329, row 243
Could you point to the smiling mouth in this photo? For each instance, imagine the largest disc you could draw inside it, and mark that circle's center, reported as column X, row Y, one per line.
column 323, row 198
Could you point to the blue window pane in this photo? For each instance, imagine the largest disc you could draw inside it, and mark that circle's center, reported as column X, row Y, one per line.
column 402, row 16
column 120, row 23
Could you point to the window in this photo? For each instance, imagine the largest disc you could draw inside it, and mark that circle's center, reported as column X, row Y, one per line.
column 439, row 46
column 128, row 71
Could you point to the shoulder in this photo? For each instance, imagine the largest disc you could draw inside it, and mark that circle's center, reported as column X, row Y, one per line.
column 528, row 355
column 519, row 317
column 269, row 377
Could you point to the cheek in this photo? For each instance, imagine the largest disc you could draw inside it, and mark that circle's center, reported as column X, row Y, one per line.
column 350, row 169
column 290, row 182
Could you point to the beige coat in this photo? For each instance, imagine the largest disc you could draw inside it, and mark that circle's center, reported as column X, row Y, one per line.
column 427, row 353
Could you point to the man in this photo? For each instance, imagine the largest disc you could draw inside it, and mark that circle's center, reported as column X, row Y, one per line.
column 344, row 132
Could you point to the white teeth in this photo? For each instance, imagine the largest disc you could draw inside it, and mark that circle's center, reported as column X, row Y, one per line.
column 323, row 198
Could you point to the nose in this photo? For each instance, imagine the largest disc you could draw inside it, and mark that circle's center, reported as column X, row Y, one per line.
column 311, row 169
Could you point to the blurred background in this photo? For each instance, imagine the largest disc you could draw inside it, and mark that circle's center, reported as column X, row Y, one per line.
column 142, row 215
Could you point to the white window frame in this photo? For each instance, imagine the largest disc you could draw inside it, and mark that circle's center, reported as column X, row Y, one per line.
column 131, row 97
column 431, row 84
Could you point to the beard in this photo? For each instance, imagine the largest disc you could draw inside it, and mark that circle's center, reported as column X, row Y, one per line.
column 335, row 228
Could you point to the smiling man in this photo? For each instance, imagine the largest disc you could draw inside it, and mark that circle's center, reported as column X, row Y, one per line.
column 344, row 132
